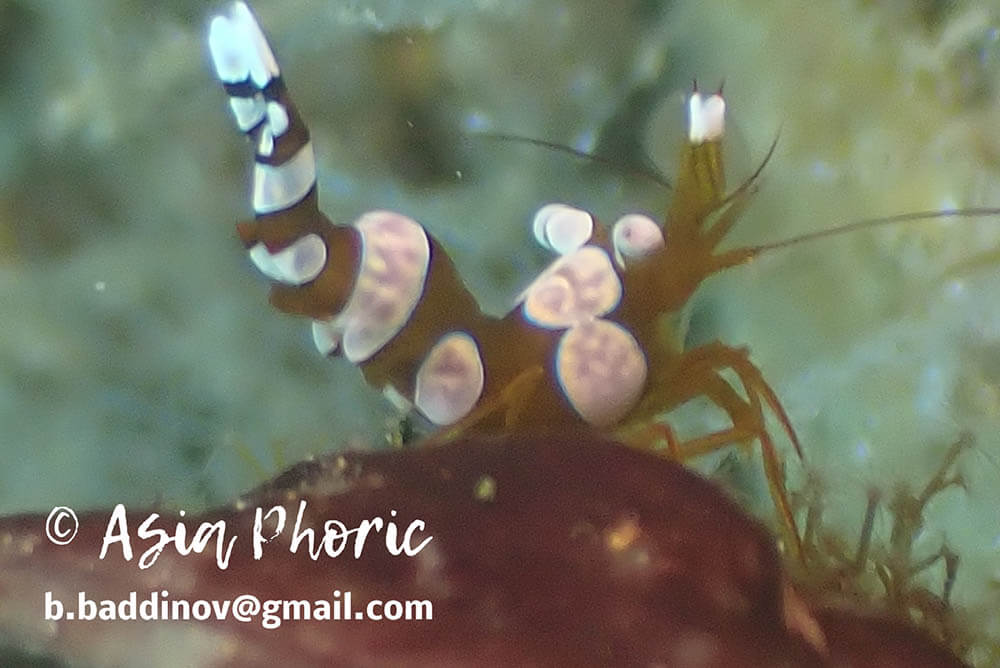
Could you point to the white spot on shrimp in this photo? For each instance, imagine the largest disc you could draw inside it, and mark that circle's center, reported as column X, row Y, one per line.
column 249, row 111
column 562, row 228
column 601, row 370
column 395, row 255
column 300, row 262
column 239, row 49
column 265, row 147
column 635, row 236
column 277, row 118
column 277, row 187
column 576, row 287
column 450, row 379
column 277, row 125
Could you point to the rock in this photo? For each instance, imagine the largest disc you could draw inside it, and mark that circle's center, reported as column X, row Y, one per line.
column 560, row 549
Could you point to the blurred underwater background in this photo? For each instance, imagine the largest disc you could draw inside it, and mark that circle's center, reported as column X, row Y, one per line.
column 140, row 362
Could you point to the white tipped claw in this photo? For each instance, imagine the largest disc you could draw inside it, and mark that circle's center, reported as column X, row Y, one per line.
column 706, row 118
column 562, row 228
column 239, row 49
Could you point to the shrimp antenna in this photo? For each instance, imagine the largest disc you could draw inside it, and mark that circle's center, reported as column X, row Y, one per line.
column 743, row 255
column 649, row 174
column 869, row 223
column 752, row 179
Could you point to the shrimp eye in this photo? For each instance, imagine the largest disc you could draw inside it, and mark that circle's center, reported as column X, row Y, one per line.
column 635, row 236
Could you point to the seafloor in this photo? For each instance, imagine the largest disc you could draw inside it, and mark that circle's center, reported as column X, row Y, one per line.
column 141, row 362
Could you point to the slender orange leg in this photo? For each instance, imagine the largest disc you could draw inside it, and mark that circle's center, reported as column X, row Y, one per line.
column 718, row 356
column 749, row 419
column 698, row 374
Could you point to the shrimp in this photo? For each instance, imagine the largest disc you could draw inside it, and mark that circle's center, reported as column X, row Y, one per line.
column 594, row 341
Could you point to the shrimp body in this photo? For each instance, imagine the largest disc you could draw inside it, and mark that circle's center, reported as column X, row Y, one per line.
column 592, row 341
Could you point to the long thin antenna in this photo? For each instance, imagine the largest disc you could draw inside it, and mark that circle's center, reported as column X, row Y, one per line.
column 741, row 255
column 750, row 180
column 974, row 212
column 649, row 174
